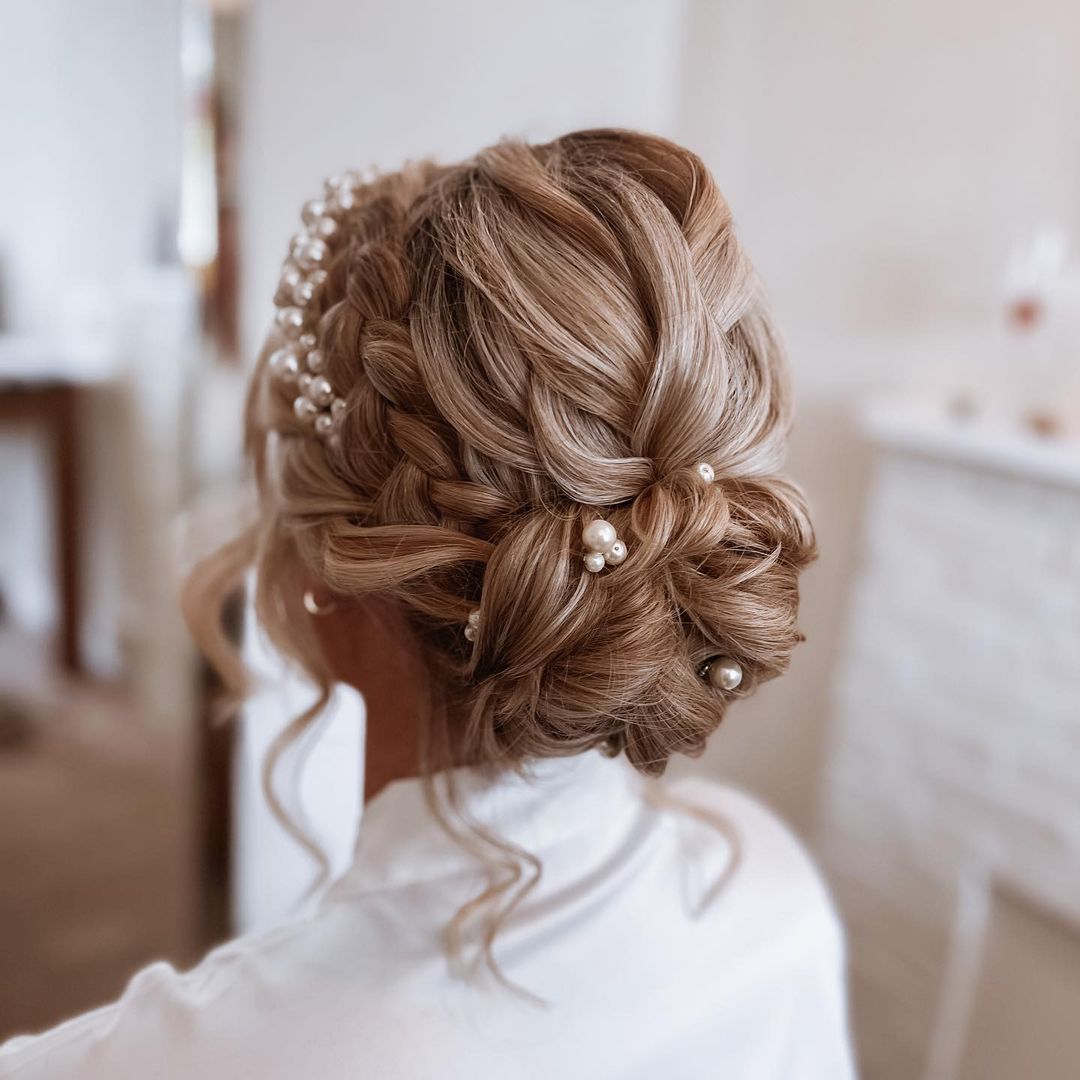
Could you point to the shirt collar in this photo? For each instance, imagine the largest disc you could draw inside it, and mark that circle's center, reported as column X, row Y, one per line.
column 550, row 802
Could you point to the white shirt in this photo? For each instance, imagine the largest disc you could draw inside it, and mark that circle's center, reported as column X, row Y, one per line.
column 640, row 974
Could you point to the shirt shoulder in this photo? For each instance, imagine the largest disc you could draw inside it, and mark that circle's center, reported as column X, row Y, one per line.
column 149, row 1030
column 767, row 876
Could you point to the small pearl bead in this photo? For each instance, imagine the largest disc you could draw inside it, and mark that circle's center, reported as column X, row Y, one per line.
column 309, row 253
column 313, row 210
column 320, row 391
column 342, row 200
column 304, row 382
column 316, row 361
column 307, row 342
column 302, row 293
column 323, row 424
column 724, row 673
column 705, row 471
column 337, row 408
column 599, row 536
column 474, row 617
column 617, row 554
column 284, row 365
column 305, row 409
column 290, row 320
column 290, row 276
column 318, row 278
column 594, row 562
column 325, row 227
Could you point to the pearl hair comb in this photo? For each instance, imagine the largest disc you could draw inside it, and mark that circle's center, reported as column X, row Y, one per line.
column 299, row 365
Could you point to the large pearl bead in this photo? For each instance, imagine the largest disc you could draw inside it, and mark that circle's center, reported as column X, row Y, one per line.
column 599, row 535
column 705, row 471
column 724, row 673
column 594, row 562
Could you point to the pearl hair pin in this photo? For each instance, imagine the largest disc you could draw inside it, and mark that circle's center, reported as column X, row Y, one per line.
column 705, row 471
column 298, row 365
column 473, row 625
column 602, row 546
column 722, row 672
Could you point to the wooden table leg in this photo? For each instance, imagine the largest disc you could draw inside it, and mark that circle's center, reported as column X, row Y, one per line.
column 64, row 422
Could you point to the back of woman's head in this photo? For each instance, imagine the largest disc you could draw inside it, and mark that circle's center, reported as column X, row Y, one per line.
column 524, row 342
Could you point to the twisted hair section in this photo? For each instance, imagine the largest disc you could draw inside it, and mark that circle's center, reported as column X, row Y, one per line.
column 526, row 341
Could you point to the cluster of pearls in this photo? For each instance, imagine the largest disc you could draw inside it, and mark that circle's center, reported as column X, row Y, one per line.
column 602, row 546
column 299, row 365
column 721, row 672
column 473, row 625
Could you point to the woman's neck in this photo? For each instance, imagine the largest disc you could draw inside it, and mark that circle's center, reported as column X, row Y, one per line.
column 369, row 646
column 391, row 744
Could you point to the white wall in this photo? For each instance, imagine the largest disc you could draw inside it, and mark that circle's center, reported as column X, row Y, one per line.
column 90, row 148
column 882, row 159
column 340, row 83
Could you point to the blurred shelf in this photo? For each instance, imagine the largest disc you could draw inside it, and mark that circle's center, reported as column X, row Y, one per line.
column 994, row 443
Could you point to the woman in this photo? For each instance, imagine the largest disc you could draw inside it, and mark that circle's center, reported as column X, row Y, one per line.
column 516, row 435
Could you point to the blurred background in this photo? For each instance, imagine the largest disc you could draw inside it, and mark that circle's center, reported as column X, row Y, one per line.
column 906, row 178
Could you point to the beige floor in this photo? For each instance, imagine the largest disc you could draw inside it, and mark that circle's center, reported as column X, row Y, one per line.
column 95, row 844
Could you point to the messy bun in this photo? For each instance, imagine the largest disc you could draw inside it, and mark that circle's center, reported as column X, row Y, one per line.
column 537, row 337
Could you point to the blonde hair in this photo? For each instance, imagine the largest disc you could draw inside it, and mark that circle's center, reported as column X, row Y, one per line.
column 536, row 337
